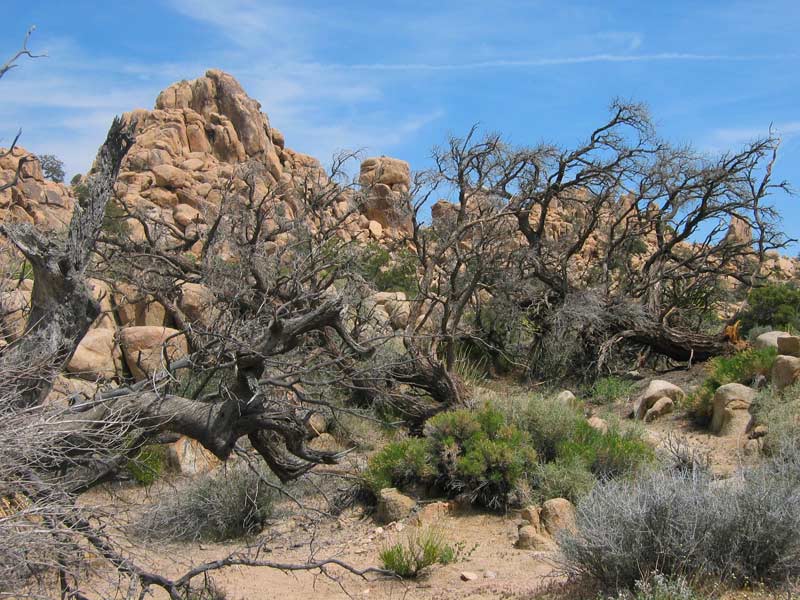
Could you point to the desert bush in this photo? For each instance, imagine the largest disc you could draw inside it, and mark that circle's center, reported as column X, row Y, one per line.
column 148, row 464
column 776, row 306
column 548, row 422
column 681, row 524
column 420, row 549
column 562, row 478
column 227, row 504
column 612, row 454
column 478, row 455
column 780, row 412
column 399, row 464
column 659, row 587
column 388, row 273
column 742, row 367
column 472, row 454
column 610, row 389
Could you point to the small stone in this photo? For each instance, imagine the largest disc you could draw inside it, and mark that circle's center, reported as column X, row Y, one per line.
column 468, row 576
column 489, row 575
column 379, row 531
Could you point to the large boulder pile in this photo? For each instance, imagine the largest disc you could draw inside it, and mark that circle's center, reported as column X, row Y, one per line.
column 196, row 145
column 34, row 199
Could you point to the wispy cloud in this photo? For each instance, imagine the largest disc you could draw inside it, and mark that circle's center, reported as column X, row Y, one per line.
column 561, row 61
column 727, row 137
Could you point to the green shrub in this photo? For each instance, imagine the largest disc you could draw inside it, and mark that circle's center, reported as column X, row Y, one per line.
column 387, row 273
column 776, row 306
column 474, row 454
column 478, row 455
column 611, row 454
column 742, row 367
column 659, row 587
column 562, row 478
column 148, row 464
column 420, row 549
column 548, row 422
column 399, row 464
column 610, row 389
column 227, row 504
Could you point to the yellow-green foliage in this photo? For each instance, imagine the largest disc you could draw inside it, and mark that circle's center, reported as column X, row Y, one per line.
column 419, row 550
column 741, row 367
column 399, row 464
column 148, row 464
column 475, row 454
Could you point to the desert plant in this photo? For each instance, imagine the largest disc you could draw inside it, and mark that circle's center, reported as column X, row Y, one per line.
column 776, row 306
column 607, row 454
column 219, row 506
column 742, row 367
column 548, row 422
column 780, row 413
column 52, row 167
column 400, row 463
column 388, row 272
column 562, row 478
column 148, row 464
column 478, row 455
column 682, row 524
column 610, row 389
column 420, row 549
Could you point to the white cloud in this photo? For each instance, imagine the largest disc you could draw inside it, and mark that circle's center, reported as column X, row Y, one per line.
column 727, row 137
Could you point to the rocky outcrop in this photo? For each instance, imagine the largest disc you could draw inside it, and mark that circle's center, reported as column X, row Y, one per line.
column 387, row 181
column 34, row 199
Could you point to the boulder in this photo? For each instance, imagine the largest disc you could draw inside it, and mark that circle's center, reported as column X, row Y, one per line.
column 143, row 347
column 102, row 293
column 393, row 506
column 730, row 408
column 789, row 345
column 196, row 301
column 567, row 398
column 316, row 423
column 189, row 457
column 656, row 390
column 97, row 356
column 185, row 215
column 65, row 388
column 433, row 513
column 769, row 339
column 558, row 514
column 169, row 177
column 15, row 305
column 661, row 407
column 531, row 538
column 785, row 371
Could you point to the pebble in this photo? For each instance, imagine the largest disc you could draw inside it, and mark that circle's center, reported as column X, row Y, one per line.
column 468, row 576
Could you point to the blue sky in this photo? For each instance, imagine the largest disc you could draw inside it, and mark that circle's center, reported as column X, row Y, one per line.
column 396, row 77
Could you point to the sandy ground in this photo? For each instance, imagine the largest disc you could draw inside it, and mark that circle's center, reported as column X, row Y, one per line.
column 486, row 542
